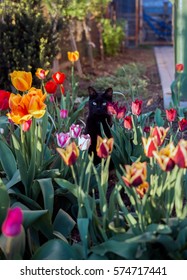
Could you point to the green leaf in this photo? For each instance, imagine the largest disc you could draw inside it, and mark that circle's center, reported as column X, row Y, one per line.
column 48, row 193
column 83, row 224
column 158, row 118
column 4, row 202
column 30, row 217
column 15, row 179
column 63, row 223
column 56, row 250
column 7, row 160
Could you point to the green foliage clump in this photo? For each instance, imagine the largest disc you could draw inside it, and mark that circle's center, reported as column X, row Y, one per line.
column 29, row 39
column 113, row 36
column 127, row 79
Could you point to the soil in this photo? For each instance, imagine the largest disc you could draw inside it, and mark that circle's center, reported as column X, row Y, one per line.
column 143, row 55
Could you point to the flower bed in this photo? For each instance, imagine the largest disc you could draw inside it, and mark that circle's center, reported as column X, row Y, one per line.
column 50, row 187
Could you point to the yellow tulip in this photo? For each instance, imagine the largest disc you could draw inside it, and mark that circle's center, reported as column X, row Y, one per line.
column 21, row 80
column 70, row 154
column 73, row 56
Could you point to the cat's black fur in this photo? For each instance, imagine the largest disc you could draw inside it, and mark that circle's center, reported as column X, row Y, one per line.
column 98, row 115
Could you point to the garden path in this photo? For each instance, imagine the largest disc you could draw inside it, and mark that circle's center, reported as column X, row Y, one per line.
column 166, row 68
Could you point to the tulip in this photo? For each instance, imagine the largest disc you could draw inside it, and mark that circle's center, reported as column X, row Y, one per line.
column 23, row 108
column 70, row 154
column 104, row 147
column 115, row 110
column 63, row 139
column 21, row 80
column 73, row 56
column 128, row 122
column 180, row 154
column 135, row 174
column 179, row 67
column 142, row 189
column 147, row 129
column 182, row 125
column 171, row 114
column 164, row 157
column 59, row 77
column 41, row 73
column 51, row 87
column 159, row 133
column 63, row 113
column 136, row 107
column 84, row 142
column 26, row 125
column 13, row 222
column 75, row 130
column 149, row 145
column 4, row 99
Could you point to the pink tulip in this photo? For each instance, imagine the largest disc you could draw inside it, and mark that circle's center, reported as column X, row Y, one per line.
column 63, row 113
column 75, row 130
column 12, row 223
column 63, row 139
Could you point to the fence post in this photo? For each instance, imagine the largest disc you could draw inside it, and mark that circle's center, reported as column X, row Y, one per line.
column 180, row 41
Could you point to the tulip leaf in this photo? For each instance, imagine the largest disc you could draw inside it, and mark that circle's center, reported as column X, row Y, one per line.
column 48, row 193
column 7, row 160
column 63, row 223
column 4, row 202
column 31, row 217
column 158, row 118
column 83, row 224
column 56, row 250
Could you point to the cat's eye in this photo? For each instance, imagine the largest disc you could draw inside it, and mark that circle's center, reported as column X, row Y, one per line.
column 94, row 103
column 104, row 103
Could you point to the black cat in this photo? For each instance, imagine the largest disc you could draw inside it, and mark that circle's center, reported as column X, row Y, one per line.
column 98, row 115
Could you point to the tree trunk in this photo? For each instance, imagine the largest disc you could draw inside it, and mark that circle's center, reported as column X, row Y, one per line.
column 90, row 44
column 101, row 46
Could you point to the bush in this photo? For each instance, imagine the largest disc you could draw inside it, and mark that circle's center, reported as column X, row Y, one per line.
column 28, row 38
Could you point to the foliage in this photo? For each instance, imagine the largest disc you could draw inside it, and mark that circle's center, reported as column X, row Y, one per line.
column 113, row 36
column 128, row 79
column 29, row 39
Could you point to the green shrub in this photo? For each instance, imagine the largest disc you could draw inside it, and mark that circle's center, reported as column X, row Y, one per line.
column 113, row 35
column 29, row 39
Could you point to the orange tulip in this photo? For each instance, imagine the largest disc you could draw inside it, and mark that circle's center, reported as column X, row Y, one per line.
column 142, row 189
column 70, row 154
column 135, row 174
column 21, row 80
column 104, row 146
column 23, row 108
column 73, row 56
column 164, row 157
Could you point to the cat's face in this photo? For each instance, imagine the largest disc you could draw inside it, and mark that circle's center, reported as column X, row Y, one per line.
column 98, row 101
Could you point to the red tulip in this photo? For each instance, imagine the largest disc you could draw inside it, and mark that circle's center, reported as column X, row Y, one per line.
column 51, row 87
column 180, row 154
column 164, row 157
column 59, row 77
column 136, row 107
column 179, row 67
column 159, row 133
column 171, row 114
column 150, row 145
column 128, row 122
column 115, row 110
column 182, row 124
column 4, row 99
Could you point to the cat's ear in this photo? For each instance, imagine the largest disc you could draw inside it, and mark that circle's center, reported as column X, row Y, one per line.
column 92, row 92
column 108, row 93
